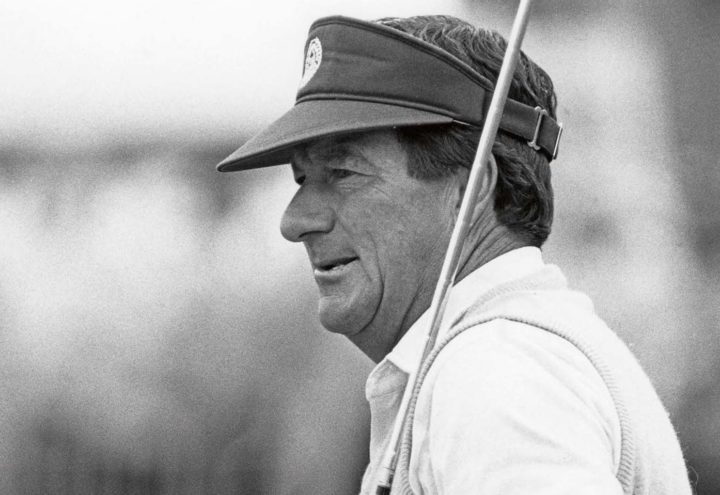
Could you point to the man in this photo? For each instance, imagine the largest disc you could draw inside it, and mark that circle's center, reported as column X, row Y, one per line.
column 527, row 391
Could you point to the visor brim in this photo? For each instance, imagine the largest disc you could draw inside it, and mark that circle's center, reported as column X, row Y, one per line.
column 313, row 119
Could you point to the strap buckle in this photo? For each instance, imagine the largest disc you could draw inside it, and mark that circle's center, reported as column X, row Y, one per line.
column 557, row 140
column 541, row 113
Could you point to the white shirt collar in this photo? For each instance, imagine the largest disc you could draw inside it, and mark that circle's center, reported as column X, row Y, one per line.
column 510, row 266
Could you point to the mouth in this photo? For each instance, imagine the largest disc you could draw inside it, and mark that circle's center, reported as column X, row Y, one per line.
column 328, row 267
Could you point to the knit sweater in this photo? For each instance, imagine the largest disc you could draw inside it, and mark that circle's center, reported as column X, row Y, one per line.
column 651, row 461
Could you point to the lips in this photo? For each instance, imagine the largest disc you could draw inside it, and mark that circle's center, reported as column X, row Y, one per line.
column 333, row 264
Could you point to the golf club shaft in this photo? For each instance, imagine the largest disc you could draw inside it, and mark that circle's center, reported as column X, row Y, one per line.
column 457, row 240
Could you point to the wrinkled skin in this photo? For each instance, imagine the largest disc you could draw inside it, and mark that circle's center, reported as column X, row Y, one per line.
column 375, row 236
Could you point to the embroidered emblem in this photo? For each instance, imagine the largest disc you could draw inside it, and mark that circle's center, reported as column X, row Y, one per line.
column 312, row 61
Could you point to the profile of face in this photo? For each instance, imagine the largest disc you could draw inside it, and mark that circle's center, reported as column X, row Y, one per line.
column 375, row 236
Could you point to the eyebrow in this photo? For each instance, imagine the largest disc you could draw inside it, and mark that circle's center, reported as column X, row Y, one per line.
column 337, row 149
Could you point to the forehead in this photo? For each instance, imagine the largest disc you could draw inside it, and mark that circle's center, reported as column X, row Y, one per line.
column 373, row 148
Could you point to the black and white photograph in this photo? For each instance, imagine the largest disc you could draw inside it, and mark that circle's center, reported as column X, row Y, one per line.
column 381, row 248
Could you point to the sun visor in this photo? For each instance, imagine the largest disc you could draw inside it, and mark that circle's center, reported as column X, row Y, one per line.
column 361, row 76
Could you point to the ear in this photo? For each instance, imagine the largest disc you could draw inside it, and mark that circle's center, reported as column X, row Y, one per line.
column 486, row 192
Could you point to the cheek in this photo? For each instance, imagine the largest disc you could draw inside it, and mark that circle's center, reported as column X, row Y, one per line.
column 398, row 239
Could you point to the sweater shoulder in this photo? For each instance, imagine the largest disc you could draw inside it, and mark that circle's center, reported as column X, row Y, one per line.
column 651, row 460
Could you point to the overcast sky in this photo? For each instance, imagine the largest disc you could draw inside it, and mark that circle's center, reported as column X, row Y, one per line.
column 78, row 67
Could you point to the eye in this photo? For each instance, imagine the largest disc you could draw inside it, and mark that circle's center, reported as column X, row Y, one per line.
column 299, row 179
column 341, row 173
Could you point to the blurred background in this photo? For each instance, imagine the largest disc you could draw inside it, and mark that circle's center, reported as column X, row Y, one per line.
column 157, row 334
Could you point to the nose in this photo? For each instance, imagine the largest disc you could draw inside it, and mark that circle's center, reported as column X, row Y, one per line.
column 308, row 212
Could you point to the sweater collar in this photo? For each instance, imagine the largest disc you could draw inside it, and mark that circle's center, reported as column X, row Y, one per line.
column 507, row 267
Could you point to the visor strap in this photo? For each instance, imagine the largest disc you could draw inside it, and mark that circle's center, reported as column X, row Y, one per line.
column 534, row 125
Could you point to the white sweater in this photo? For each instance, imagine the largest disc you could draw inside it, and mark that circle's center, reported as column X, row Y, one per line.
column 530, row 392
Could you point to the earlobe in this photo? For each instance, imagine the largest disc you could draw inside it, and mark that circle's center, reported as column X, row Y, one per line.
column 487, row 185
column 488, row 188
column 486, row 193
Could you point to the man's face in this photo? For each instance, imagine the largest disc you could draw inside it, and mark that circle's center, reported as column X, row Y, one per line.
column 375, row 236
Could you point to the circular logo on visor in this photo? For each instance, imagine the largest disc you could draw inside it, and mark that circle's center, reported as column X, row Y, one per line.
column 313, row 57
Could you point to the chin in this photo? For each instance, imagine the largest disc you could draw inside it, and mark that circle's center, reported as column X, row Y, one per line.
column 337, row 316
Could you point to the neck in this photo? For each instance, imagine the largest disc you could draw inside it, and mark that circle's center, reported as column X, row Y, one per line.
column 486, row 240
